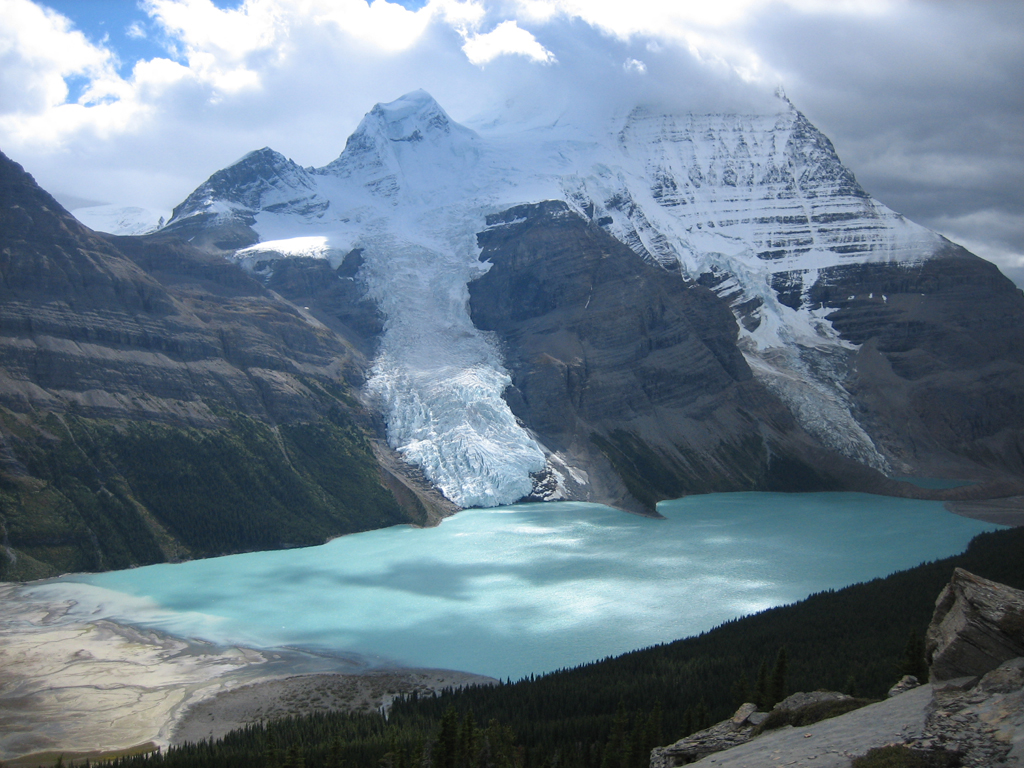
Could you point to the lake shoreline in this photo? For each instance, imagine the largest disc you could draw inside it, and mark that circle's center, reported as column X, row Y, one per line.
column 93, row 687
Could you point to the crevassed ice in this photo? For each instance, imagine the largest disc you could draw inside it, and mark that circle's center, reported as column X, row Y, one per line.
column 439, row 380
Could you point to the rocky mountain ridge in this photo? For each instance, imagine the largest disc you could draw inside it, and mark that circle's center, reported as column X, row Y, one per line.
column 864, row 327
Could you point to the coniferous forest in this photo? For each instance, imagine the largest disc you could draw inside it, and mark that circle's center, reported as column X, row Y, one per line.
column 610, row 713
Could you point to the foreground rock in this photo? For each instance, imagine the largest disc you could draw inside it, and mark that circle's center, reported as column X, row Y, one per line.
column 739, row 729
column 827, row 744
column 974, row 708
column 977, row 625
column 984, row 723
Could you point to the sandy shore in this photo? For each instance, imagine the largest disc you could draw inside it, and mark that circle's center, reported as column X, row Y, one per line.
column 72, row 685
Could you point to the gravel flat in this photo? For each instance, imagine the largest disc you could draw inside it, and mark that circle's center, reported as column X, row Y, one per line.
column 304, row 694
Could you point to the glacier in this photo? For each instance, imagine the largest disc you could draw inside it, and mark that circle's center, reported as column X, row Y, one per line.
column 753, row 206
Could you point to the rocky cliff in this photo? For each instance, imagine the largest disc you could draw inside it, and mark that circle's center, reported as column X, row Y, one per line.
column 630, row 373
column 939, row 367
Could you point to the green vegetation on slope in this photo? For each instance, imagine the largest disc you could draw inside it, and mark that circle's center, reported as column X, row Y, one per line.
column 101, row 494
column 609, row 714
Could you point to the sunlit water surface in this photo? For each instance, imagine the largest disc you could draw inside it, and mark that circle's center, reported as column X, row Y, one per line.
column 526, row 589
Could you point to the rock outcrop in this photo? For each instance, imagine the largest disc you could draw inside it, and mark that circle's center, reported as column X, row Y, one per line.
column 972, row 711
column 977, row 625
column 739, row 729
column 983, row 724
column 906, row 683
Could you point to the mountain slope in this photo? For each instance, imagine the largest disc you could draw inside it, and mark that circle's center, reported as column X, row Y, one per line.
column 158, row 403
column 624, row 371
column 757, row 208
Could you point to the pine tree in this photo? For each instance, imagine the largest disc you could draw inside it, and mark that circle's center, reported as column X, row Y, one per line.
column 777, row 691
column 761, row 687
column 467, row 743
column 654, row 727
column 446, row 745
column 741, row 692
column 913, row 662
column 616, row 743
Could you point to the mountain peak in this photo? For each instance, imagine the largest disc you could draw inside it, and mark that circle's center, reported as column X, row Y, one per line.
column 409, row 117
column 396, row 138
column 261, row 158
column 263, row 180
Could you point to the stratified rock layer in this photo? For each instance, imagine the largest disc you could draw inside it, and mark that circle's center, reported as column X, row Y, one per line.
column 940, row 366
column 157, row 402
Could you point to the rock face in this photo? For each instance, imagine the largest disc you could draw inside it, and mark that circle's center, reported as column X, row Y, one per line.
column 625, row 368
column 929, row 356
column 978, row 624
column 157, row 402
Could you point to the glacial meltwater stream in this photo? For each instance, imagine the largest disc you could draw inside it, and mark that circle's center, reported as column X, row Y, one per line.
column 511, row 591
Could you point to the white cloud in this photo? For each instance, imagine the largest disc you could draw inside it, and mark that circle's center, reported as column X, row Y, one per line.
column 505, row 39
column 635, row 65
column 136, row 31
column 38, row 49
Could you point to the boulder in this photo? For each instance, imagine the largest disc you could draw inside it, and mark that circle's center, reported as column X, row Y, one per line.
column 977, row 625
column 1006, row 678
column 742, row 715
column 802, row 699
column 906, row 683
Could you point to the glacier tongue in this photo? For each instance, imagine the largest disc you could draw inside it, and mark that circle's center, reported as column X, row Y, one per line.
column 439, row 380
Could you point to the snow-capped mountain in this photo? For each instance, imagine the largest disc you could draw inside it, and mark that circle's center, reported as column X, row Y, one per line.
column 120, row 219
column 757, row 208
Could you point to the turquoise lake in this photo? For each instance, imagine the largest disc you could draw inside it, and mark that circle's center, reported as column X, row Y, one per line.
column 531, row 588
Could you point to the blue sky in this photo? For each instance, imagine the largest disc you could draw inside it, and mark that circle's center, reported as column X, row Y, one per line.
column 138, row 102
column 120, row 24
